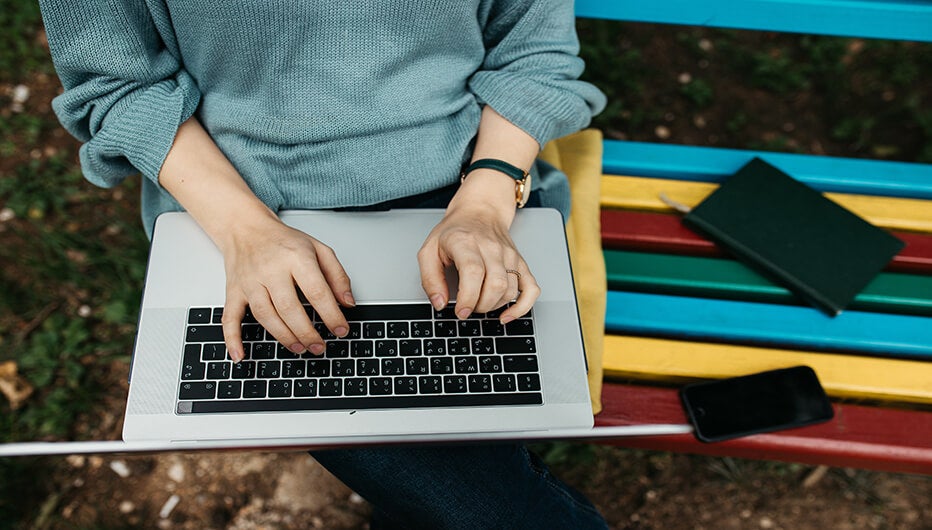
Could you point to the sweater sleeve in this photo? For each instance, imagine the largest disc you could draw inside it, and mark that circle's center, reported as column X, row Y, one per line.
column 125, row 91
column 531, row 68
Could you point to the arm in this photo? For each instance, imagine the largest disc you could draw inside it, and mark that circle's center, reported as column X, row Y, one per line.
column 264, row 259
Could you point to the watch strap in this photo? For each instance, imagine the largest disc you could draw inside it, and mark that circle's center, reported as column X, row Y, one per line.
column 498, row 165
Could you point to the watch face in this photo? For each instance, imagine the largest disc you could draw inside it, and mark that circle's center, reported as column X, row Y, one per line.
column 525, row 185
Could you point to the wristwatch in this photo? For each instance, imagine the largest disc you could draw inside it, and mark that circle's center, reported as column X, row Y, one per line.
column 522, row 177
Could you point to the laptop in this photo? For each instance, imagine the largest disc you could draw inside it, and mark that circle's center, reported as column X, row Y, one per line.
column 406, row 371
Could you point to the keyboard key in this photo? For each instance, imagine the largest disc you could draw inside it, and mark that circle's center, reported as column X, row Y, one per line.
column 214, row 351
column 293, row 369
column 445, row 328
column 410, row 347
column 528, row 382
column 204, row 390
column 281, row 352
column 490, row 364
column 373, row 330
column 367, row 367
column 441, row 365
column 393, row 367
column 421, row 329
column 365, row 402
column 263, row 350
column 470, row 328
column 280, row 388
column 192, row 368
column 229, row 389
column 435, row 347
column 388, row 312
column 447, row 313
column 249, row 318
column 337, row 349
column 405, row 385
column 380, row 386
column 361, row 348
column 343, row 368
column 454, row 384
column 318, row 368
column 416, row 366
column 270, row 369
column 218, row 315
column 305, row 387
column 330, row 387
column 480, row 383
column 324, row 333
column 355, row 331
column 355, row 386
column 386, row 348
column 522, row 326
column 244, row 370
column 397, row 330
column 253, row 332
column 492, row 328
column 482, row 346
column 430, row 384
column 504, row 383
column 515, row 345
column 520, row 363
column 458, row 346
column 205, row 333
column 218, row 370
column 199, row 315
column 466, row 365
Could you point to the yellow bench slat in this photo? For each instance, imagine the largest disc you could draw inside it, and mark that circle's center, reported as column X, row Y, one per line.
column 841, row 375
column 640, row 193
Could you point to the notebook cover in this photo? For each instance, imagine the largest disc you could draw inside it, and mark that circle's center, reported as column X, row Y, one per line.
column 822, row 252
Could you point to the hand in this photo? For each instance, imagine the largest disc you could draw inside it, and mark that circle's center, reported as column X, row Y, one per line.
column 480, row 247
column 265, row 260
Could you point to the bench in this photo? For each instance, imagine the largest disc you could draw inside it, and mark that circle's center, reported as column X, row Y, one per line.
column 664, row 317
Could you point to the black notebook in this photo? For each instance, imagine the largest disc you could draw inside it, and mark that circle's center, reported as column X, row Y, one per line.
column 794, row 235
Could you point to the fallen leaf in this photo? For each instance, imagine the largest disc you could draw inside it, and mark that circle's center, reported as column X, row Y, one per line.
column 12, row 386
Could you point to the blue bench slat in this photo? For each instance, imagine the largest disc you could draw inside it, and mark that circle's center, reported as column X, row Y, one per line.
column 824, row 173
column 893, row 19
column 877, row 334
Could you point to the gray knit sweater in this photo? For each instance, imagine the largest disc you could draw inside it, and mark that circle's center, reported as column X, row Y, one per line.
column 317, row 103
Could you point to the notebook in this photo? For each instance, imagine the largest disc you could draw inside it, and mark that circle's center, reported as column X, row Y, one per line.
column 405, row 370
column 794, row 235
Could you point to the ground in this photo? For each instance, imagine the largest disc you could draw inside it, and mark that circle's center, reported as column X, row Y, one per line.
column 73, row 257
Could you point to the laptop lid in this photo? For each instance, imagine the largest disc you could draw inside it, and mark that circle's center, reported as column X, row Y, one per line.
column 378, row 251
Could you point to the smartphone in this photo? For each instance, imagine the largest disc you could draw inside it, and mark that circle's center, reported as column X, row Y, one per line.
column 763, row 402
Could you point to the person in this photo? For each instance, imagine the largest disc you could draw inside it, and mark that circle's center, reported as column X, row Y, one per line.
column 235, row 110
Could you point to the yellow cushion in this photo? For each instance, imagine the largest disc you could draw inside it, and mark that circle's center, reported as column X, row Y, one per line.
column 579, row 155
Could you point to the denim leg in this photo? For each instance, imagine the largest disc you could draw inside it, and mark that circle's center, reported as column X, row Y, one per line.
column 476, row 487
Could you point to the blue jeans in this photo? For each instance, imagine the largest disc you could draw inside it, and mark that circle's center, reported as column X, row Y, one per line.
column 476, row 486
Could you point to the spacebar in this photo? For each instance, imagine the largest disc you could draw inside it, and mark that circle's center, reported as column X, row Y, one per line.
column 357, row 403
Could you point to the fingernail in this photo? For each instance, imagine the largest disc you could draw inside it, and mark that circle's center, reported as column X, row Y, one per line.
column 506, row 319
column 437, row 301
column 297, row 348
column 236, row 356
column 317, row 348
column 340, row 331
column 464, row 313
column 348, row 299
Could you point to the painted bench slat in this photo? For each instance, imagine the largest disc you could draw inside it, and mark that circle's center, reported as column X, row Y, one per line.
column 664, row 233
column 639, row 193
column 687, row 318
column 842, row 376
column 884, row 439
column 729, row 279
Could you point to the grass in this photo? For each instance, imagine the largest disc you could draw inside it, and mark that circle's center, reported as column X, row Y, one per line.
column 73, row 256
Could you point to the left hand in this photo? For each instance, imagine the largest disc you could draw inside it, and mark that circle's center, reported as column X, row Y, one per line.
column 479, row 245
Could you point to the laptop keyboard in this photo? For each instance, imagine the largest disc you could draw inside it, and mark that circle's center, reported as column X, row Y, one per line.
column 395, row 356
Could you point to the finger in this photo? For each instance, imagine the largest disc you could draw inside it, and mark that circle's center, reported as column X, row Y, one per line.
column 294, row 316
column 318, row 293
column 433, row 279
column 262, row 307
column 495, row 286
column 528, row 291
column 234, row 309
column 335, row 274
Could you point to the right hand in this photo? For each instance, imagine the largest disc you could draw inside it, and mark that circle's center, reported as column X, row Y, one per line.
column 265, row 261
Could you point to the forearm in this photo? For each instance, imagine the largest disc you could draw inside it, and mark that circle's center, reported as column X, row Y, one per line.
column 488, row 189
column 199, row 176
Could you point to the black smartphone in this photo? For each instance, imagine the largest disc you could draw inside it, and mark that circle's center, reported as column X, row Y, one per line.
column 763, row 402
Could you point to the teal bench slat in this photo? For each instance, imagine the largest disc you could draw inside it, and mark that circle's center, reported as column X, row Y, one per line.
column 877, row 334
column 824, row 173
column 894, row 19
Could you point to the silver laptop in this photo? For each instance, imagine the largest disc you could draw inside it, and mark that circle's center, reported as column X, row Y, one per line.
column 405, row 370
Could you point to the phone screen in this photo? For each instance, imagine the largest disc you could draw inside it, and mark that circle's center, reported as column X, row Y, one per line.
column 763, row 402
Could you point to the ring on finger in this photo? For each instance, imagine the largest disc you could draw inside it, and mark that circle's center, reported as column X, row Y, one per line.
column 516, row 273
